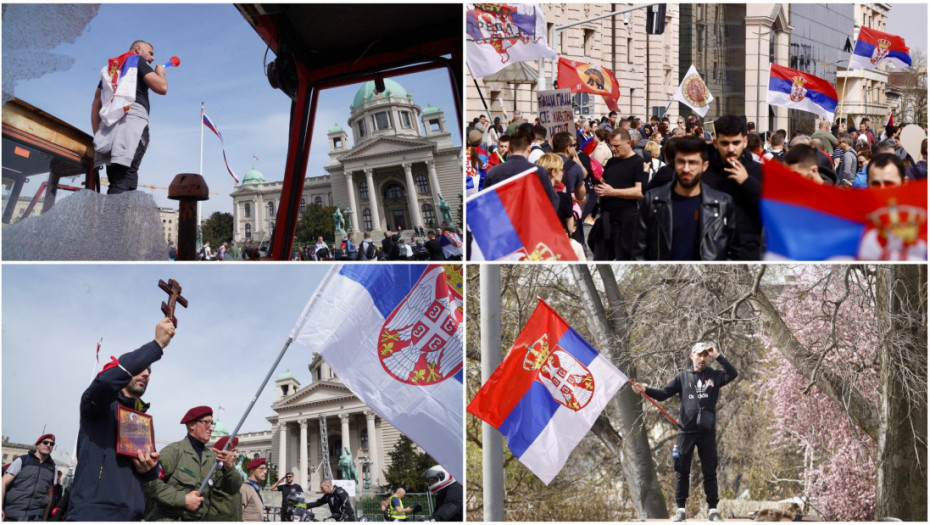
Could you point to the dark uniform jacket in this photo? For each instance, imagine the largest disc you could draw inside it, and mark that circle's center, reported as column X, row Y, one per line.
column 449, row 504
column 106, row 486
column 699, row 392
column 339, row 506
column 654, row 232
column 747, row 245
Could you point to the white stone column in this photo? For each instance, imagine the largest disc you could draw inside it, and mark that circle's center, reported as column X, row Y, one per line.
column 375, row 467
column 412, row 198
column 373, row 201
column 303, row 454
column 346, row 437
column 282, row 449
column 352, row 206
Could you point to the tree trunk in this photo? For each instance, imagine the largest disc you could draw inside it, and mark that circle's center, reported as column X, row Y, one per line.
column 638, row 466
column 901, row 481
column 839, row 391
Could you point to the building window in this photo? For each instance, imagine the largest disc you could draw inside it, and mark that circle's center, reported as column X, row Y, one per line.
column 422, row 186
column 248, row 230
column 318, row 200
column 629, row 50
column 366, row 216
column 363, row 189
column 363, row 439
column 337, row 143
column 434, row 125
column 303, row 205
column 394, row 191
column 429, row 216
column 270, row 209
column 362, row 129
column 382, row 120
column 248, row 210
column 405, row 120
column 589, row 42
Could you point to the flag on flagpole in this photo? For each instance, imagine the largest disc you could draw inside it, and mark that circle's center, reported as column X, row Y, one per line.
column 890, row 120
column 584, row 77
column 392, row 335
column 100, row 342
column 809, row 222
column 502, row 34
column 515, row 220
column 547, row 392
column 794, row 89
column 255, row 157
column 874, row 47
column 209, row 124
column 693, row 92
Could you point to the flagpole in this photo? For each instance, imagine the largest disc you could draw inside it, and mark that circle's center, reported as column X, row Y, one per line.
column 492, row 450
column 653, row 401
column 92, row 375
column 235, row 431
column 199, row 232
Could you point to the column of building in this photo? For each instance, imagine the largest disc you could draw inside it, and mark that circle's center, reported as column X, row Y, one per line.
column 433, row 182
column 304, row 480
column 412, row 198
column 373, row 201
column 353, row 209
column 374, row 463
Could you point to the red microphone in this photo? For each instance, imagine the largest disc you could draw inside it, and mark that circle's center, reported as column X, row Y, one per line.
column 175, row 61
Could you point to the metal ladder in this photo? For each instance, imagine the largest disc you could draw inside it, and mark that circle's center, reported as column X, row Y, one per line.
column 324, row 443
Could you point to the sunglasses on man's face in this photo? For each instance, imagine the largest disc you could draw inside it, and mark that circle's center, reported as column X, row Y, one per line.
column 49, row 443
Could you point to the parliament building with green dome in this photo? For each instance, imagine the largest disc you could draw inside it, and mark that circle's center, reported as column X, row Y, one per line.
column 400, row 161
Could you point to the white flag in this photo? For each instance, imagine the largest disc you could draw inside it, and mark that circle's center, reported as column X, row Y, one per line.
column 392, row 334
column 693, row 92
column 502, row 34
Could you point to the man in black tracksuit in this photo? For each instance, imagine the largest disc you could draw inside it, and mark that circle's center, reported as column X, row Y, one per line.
column 698, row 389
column 338, row 500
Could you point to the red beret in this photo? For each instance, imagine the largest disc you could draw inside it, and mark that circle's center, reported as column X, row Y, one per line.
column 45, row 436
column 196, row 413
column 222, row 442
column 255, row 463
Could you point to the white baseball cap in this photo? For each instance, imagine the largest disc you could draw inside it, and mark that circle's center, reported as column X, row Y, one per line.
column 701, row 347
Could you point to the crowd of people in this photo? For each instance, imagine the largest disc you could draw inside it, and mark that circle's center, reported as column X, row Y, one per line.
column 435, row 244
column 114, row 484
column 657, row 191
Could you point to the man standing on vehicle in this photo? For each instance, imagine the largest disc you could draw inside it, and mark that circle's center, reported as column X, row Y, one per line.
column 120, row 136
column 699, row 390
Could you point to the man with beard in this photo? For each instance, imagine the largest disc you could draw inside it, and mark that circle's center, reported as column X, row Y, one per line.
column 699, row 389
column 108, row 486
column 732, row 171
column 251, row 491
column 685, row 220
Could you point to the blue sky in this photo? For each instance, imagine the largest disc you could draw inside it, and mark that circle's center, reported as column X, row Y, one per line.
column 221, row 65
column 237, row 321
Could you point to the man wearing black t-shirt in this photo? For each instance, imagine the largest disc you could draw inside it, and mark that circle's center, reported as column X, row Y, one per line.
column 618, row 192
column 123, row 162
column 685, row 220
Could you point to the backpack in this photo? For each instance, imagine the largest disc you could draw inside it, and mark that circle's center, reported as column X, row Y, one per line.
column 371, row 253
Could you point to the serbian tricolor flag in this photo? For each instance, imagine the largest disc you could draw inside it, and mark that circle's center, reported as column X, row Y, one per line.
column 514, row 220
column 589, row 146
column 394, row 336
column 547, row 392
column 209, row 124
column 806, row 221
column 118, row 87
column 583, row 77
column 793, row 89
column 873, row 47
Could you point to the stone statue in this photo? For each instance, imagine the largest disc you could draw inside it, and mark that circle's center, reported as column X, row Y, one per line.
column 346, row 467
column 349, row 215
column 339, row 220
column 445, row 212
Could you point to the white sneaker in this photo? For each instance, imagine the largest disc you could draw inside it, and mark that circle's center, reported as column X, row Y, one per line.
column 714, row 516
column 679, row 516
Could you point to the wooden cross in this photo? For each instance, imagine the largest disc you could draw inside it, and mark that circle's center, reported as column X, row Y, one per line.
column 173, row 289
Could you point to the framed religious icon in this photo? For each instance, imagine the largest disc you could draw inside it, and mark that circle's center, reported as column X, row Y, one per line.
column 134, row 432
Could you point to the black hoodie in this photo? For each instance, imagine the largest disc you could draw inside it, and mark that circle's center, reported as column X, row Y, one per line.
column 699, row 392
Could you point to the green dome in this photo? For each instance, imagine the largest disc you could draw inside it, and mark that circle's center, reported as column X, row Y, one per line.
column 336, row 128
column 219, row 430
column 286, row 375
column 368, row 88
column 253, row 176
column 429, row 110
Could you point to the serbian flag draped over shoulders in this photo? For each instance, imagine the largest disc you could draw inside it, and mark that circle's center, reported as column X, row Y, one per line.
column 873, row 47
column 392, row 334
column 583, row 77
column 502, row 34
column 546, row 394
column 118, row 87
column 791, row 88
column 514, row 220
column 810, row 222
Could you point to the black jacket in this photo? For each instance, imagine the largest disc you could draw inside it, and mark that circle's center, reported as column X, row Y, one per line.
column 747, row 245
column 449, row 504
column 106, row 486
column 654, row 231
column 699, row 392
column 339, row 506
